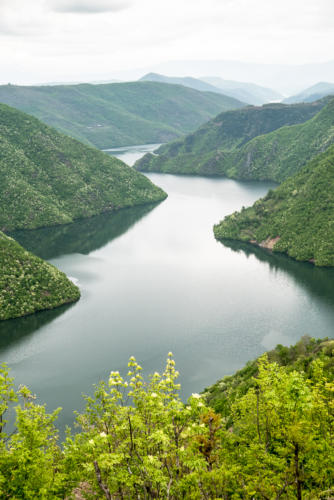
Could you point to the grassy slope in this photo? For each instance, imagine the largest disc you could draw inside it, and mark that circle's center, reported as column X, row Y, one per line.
column 28, row 284
column 299, row 213
column 298, row 357
column 47, row 178
column 251, row 143
column 119, row 114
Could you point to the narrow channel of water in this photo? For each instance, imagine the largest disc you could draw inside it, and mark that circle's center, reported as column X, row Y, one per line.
column 154, row 280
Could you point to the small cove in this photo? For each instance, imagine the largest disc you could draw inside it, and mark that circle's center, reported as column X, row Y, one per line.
column 154, row 280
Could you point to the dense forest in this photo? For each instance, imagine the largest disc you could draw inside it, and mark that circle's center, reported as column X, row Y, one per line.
column 48, row 178
column 270, row 142
column 265, row 432
column 296, row 218
column 28, row 284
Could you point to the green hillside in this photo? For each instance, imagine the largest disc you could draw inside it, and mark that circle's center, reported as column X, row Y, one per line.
column 282, row 153
column 28, row 284
column 297, row 218
column 119, row 114
column 242, row 143
column 47, row 178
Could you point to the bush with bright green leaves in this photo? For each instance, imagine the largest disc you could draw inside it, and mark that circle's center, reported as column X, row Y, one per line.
column 30, row 458
column 298, row 357
column 136, row 439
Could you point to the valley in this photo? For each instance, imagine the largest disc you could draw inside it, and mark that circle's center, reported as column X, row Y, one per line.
column 166, row 250
column 157, row 280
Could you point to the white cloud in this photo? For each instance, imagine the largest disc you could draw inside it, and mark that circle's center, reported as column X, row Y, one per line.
column 88, row 6
column 68, row 39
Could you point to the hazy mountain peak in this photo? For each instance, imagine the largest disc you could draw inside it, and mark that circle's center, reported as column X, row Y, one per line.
column 250, row 93
column 313, row 93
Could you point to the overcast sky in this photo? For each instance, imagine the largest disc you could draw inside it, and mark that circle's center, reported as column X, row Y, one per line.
column 84, row 40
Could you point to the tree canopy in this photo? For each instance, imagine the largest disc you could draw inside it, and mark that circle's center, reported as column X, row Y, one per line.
column 137, row 439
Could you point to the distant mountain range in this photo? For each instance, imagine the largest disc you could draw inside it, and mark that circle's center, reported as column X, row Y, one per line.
column 119, row 114
column 286, row 79
column 312, row 94
column 249, row 93
column 253, row 143
column 186, row 81
column 245, row 91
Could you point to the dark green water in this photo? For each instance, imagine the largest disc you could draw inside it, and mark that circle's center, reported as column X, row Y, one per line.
column 154, row 280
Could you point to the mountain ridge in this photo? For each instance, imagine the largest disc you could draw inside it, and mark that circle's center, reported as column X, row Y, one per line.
column 118, row 114
column 242, row 143
column 313, row 93
column 249, row 93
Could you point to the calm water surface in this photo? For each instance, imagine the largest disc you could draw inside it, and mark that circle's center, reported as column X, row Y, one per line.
column 131, row 154
column 153, row 280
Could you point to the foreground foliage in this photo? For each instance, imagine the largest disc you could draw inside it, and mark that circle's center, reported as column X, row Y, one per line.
column 270, row 142
column 138, row 440
column 29, row 284
column 299, row 358
column 296, row 218
column 47, row 178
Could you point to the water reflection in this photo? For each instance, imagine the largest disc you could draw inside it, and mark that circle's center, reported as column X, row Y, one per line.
column 83, row 236
column 131, row 154
column 12, row 331
column 317, row 281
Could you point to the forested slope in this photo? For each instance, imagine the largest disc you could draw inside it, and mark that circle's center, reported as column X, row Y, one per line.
column 296, row 218
column 29, row 284
column 254, row 143
column 47, row 178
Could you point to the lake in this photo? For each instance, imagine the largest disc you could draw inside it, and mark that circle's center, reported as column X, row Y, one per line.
column 154, row 280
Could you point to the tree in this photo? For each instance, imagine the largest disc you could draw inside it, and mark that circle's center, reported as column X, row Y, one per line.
column 284, row 429
column 139, row 440
column 30, row 460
